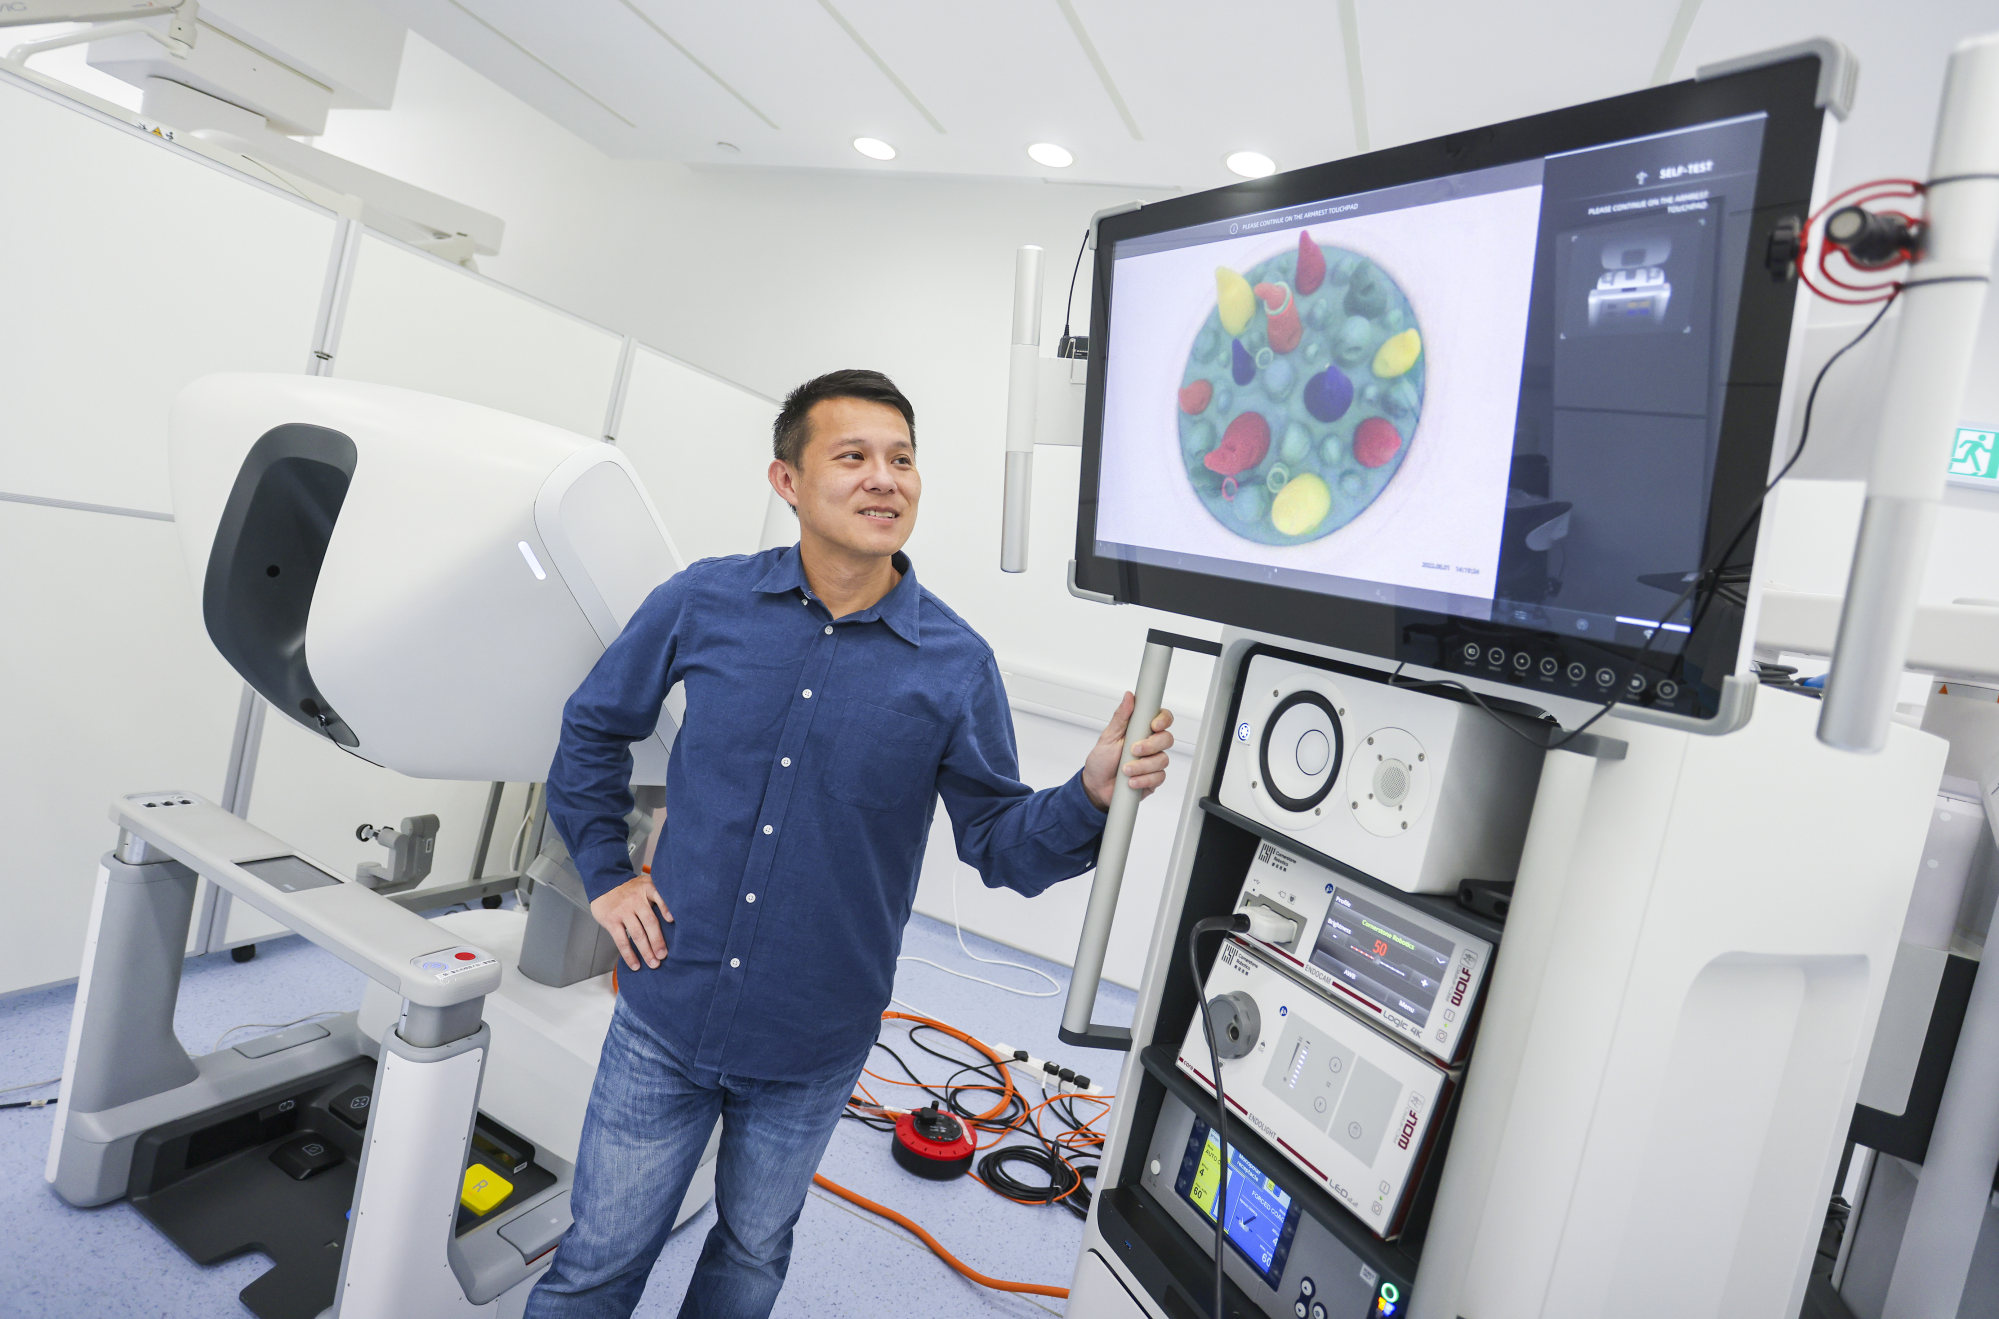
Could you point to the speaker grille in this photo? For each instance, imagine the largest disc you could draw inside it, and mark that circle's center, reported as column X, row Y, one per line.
column 1391, row 782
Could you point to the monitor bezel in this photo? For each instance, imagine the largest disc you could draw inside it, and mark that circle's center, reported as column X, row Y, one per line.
column 1788, row 94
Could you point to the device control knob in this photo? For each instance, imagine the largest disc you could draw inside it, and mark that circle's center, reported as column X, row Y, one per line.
column 1236, row 1023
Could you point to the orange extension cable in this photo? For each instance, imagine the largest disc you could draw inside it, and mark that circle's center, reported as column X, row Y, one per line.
column 909, row 1224
column 997, row 1284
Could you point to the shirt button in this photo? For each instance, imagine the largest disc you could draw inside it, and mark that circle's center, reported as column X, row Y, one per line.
column 766, row 828
column 829, row 629
column 735, row 961
column 750, row 898
column 786, row 762
column 808, row 693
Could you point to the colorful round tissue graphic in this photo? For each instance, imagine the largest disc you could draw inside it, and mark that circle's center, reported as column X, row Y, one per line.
column 1301, row 394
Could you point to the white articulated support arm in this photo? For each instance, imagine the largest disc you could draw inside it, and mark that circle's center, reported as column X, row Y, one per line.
column 1022, row 382
column 1944, row 297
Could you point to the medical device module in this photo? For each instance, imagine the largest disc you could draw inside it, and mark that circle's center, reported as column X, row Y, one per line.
column 1464, row 444
column 1474, row 399
column 1344, row 1102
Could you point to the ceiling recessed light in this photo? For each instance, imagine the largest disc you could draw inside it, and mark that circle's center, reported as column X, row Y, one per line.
column 1047, row 153
column 874, row 148
column 1250, row 164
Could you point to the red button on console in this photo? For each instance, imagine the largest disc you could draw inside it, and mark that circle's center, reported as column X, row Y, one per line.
column 465, row 957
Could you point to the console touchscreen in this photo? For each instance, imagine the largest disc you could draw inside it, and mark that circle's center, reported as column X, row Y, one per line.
column 1493, row 405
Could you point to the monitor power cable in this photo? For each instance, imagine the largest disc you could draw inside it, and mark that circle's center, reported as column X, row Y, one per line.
column 1067, row 345
column 1233, row 924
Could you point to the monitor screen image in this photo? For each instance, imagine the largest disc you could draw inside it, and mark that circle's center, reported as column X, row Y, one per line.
column 1320, row 398
column 1508, row 403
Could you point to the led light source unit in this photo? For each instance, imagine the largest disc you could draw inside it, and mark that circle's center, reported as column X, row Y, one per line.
column 1051, row 155
column 874, row 148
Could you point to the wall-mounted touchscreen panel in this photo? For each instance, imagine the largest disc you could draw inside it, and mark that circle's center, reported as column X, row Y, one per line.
column 1489, row 391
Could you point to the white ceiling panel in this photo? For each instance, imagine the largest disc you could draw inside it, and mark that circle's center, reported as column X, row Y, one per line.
column 1146, row 93
column 1204, row 80
column 1449, row 65
column 792, row 59
column 1015, row 75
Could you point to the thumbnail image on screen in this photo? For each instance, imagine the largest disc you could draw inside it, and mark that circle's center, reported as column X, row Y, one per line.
column 1370, row 950
column 1261, row 1217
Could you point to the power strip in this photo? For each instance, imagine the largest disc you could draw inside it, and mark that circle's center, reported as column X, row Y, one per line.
column 1048, row 1073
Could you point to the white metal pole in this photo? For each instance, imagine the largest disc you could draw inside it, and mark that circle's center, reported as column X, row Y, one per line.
column 1022, row 377
column 1925, row 388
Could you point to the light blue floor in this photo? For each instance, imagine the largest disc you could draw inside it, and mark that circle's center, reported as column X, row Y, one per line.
column 57, row 1262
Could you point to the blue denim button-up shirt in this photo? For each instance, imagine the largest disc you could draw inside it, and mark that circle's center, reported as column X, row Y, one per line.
column 799, row 795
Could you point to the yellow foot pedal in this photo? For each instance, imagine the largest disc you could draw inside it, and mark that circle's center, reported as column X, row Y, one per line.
column 483, row 1189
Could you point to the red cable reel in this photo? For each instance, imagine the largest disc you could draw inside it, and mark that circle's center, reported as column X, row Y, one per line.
column 932, row 1143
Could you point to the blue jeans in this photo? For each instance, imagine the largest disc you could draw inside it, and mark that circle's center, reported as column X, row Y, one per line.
column 648, row 1121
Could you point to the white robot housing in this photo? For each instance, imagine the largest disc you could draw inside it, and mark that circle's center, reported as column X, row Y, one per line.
column 369, row 558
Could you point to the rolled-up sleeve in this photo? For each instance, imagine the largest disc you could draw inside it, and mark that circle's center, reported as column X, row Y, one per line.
column 589, row 782
column 1013, row 836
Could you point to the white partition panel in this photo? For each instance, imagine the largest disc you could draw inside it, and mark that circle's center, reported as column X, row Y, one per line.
column 701, row 446
column 421, row 323
column 132, row 266
column 107, row 686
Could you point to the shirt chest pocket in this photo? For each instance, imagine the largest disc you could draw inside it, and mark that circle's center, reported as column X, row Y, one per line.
column 880, row 759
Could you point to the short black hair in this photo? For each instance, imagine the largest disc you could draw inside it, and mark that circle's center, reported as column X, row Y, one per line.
column 792, row 428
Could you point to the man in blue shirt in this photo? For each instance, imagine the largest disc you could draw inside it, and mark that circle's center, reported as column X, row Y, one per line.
column 831, row 701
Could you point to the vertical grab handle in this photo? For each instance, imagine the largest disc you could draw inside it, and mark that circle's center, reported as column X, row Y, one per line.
column 1077, row 1027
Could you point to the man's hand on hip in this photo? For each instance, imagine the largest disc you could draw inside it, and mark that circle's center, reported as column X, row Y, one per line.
column 626, row 911
column 1147, row 768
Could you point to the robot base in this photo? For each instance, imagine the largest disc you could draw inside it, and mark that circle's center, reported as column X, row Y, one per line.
column 545, row 1046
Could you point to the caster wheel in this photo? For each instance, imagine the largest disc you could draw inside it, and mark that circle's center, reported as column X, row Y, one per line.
column 244, row 953
column 492, row 900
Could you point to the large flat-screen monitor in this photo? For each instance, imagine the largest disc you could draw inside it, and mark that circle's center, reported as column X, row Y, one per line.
column 1485, row 404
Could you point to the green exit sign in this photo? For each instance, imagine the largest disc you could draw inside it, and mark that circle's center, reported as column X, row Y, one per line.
column 1974, row 458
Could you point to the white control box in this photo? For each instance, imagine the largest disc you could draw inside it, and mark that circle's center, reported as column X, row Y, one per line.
column 1416, row 975
column 1345, row 1103
column 1405, row 786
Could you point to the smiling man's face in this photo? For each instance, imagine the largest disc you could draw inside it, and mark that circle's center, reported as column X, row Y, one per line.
column 856, row 484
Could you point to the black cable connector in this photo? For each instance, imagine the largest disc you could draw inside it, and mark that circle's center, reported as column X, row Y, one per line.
column 1234, row 924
